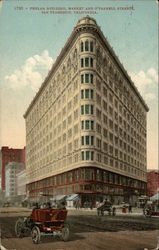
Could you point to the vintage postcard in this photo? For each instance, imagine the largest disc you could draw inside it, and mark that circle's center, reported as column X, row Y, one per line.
column 79, row 125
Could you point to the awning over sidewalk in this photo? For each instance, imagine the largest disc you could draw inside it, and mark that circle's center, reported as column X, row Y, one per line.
column 155, row 197
column 72, row 197
column 59, row 197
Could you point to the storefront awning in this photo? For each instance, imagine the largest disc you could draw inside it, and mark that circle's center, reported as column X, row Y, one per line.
column 72, row 197
column 59, row 197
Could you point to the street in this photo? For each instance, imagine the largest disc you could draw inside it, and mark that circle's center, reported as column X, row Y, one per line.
column 87, row 231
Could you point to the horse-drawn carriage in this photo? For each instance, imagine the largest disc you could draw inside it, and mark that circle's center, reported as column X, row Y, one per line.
column 43, row 222
column 106, row 206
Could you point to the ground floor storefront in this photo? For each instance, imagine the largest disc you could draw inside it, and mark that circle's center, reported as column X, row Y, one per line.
column 92, row 184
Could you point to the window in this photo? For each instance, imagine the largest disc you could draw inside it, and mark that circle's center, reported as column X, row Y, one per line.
column 105, row 146
column 82, row 94
column 87, row 140
column 82, row 78
column 82, row 65
column 87, row 155
column 92, row 140
column 82, row 155
column 92, row 155
column 91, row 46
column 92, row 125
column 91, row 62
column 86, row 62
column 91, row 93
column 81, row 46
column 82, row 124
column 86, row 124
column 82, row 140
column 91, row 78
column 105, row 92
column 91, row 109
column 86, row 78
column 86, row 109
column 86, row 46
column 86, row 93
column 82, row 110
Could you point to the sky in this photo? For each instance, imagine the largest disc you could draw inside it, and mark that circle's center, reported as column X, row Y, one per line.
column 31, row 40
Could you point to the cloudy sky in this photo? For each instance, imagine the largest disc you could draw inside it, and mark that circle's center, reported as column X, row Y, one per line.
column 30, row 42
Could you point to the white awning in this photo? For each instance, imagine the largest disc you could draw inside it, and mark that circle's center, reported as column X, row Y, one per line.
column 72, row 197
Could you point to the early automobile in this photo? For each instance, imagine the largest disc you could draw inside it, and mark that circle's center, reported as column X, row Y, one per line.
column 42, row 222
column 106, row 206
column 151, row 208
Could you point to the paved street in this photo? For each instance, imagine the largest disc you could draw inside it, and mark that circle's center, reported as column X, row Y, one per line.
column 87, row 231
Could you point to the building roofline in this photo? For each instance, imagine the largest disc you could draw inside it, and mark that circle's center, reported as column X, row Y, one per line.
column 64, row 51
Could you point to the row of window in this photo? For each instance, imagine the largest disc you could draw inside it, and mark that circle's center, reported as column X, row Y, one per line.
column 87, row 93
column 87, row 46
column 87, row 78
column 87, row 109
column 87, row 62
column 87, row 140
column 87, row 155
column 87, row 124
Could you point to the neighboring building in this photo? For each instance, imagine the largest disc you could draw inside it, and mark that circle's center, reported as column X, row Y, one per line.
column 21, row 183
column 10, row 155
column 152, row 182
column 86, row 126
column 11, row 170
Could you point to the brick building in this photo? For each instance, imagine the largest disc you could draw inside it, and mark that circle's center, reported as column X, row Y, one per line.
column 152, row 182
column 10, row 155
column 86, row 126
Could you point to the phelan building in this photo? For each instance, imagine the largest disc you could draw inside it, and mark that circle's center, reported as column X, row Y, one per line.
column 86, row 126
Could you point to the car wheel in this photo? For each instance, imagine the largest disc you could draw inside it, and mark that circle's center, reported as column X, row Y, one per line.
column 35, row 234
column 19, row 228
column 65, row 233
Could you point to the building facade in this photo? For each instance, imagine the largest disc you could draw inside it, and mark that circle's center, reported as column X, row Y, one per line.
column 11, row 171
column 152, row 182
column 10, row 155
column 21, row 183
column 86, row 127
